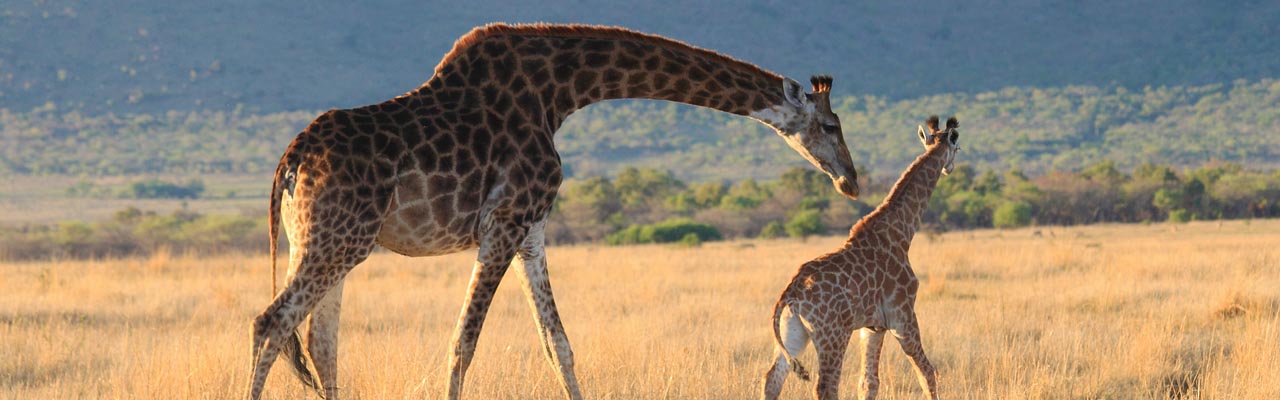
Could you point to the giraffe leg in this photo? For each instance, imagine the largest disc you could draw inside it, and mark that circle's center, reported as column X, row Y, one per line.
column 497, row 249
column 322, row 340
column 872, row 340
column 275, row 328
column 795, row 337
column 909, row 339
column 831, row 345
column 537, row 287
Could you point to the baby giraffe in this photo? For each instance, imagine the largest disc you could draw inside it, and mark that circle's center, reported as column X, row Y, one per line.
column 867, row 285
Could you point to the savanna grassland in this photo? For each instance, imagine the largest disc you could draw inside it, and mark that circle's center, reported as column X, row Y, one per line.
column 1113, row 311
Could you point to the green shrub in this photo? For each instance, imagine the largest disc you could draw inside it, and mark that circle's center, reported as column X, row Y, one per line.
column 772, row 230
column 1179, row 216
column 668, row 231
column 630, row 235
column 805, row 223
column 158, row 189
column 1012, row 214
column 675, row 229
column 690, row 240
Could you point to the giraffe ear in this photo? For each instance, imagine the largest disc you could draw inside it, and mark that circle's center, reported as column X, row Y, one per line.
column 924, row 138
column 793, row 92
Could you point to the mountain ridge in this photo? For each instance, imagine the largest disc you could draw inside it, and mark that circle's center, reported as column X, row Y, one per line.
column 140, row 56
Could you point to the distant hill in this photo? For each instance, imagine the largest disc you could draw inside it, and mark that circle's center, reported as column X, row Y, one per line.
column 1034, row 130
column 130, row 56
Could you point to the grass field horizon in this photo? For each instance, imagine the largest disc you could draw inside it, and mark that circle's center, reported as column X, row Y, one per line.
column 1105, row 311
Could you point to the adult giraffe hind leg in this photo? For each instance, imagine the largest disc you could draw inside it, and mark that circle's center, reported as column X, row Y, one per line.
column 322, row 342
column 319, row 262
column 532, row 262
column 276, row 327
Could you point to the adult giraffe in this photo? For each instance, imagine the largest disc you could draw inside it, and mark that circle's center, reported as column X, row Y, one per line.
column 467, row 160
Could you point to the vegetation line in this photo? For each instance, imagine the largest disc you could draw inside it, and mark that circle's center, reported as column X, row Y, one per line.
column 651, row 206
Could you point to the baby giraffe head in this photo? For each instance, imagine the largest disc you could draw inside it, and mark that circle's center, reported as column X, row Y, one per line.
column 947, row 137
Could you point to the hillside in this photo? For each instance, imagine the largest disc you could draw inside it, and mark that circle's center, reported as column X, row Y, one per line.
column 1033, row 130
column 133, row 56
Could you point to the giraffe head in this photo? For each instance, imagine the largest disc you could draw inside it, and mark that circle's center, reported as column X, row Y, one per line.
column 806, row 123
column 942, row 137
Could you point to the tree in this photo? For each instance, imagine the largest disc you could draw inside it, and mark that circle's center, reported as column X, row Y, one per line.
column 587, row 210
column 708, row 194
column 806, row 181
column 745, row 195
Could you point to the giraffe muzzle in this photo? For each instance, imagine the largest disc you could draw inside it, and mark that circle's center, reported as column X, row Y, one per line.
column 847, row 187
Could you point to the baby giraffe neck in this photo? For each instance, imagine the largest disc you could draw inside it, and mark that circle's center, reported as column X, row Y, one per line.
column 907, row 200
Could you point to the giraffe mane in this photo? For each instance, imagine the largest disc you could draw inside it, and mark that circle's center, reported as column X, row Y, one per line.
column 895, row 193
column 481, row 33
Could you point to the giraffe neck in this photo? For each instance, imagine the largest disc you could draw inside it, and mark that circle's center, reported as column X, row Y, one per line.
column 560, row 69
column 900, row 213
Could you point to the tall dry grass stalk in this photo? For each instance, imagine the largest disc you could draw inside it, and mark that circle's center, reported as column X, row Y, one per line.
column 1135, row 311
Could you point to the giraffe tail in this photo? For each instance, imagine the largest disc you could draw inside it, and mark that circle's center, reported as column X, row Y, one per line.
column 298, row 360
column 273, row 219
column 792, row 363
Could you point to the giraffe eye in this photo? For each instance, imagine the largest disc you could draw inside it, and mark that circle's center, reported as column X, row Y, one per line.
column 830, row 128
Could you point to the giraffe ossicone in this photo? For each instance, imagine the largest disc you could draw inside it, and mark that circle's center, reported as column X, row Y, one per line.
column 468, row 160
column 867, row 285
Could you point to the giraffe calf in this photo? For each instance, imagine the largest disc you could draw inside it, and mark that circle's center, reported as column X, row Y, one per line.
column 867, row 285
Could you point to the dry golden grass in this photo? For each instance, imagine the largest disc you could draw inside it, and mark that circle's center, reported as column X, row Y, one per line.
column 1136, row 311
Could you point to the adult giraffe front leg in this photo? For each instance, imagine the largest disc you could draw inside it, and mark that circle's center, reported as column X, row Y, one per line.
column 497, row 249
column 532, row 262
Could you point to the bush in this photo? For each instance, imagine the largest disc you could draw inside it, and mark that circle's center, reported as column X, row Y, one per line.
column 1012, row 214
column 1179, row 216
column 772, row 230
column 631, row 235
column 690, row 240
column 675, row 229
column 805, row 223
column 158, row 189
column 668, row 231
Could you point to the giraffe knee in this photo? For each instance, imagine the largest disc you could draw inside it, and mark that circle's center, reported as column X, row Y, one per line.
column 263, row 323
column 269, row 326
